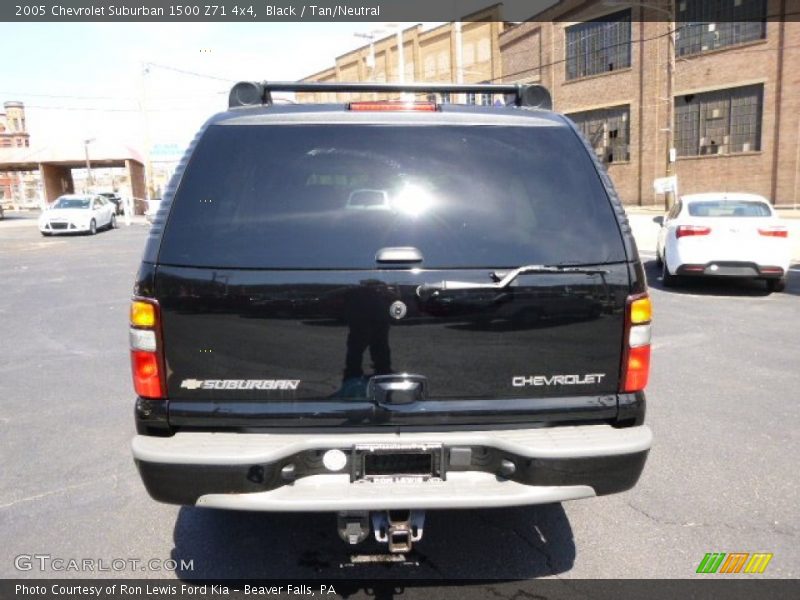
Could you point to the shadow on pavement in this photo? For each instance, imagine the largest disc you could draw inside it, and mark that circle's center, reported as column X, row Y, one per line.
column 719, row 286
column 489, row 544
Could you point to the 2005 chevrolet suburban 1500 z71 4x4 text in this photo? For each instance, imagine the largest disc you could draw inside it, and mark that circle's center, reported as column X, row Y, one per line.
column 377, row 308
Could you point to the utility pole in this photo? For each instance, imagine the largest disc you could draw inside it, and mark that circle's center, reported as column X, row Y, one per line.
column 148, row 165
column 669, row 197
column 401, row 59
column 459, row 53
column 89, row 178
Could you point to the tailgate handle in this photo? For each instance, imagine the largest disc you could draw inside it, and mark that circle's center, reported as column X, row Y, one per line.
column 400, row 254
column 397, row 389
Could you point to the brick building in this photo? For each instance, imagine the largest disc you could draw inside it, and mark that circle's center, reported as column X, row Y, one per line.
column 720, row 84
column 13, row 134
column 466, row 52
column 733, row 101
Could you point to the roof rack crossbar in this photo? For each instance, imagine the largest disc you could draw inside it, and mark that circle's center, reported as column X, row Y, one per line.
column 252, row 93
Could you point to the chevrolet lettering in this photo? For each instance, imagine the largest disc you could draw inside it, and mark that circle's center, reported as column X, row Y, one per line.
column 588, row 379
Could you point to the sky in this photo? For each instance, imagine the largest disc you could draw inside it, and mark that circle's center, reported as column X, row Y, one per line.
column 86, row 80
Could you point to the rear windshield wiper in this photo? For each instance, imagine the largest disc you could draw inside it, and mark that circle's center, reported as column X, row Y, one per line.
column 427, row 289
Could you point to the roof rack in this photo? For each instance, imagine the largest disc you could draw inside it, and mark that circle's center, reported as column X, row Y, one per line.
column 253, row 93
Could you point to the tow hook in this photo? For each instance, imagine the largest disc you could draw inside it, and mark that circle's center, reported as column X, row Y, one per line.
column 400, row 531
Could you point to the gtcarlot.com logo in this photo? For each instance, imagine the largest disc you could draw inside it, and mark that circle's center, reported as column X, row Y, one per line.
column 47, row 562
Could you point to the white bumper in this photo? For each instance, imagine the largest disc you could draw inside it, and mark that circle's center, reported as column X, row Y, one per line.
column 335, row 491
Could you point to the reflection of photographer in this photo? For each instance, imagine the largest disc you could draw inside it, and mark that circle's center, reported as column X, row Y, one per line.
column 366, row 311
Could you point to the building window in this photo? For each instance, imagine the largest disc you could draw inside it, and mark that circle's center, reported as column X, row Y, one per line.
column 719, row 122
column 599, row 46
column 444, row 98
column 704, row 25
column 608, row 132
column 471, row 98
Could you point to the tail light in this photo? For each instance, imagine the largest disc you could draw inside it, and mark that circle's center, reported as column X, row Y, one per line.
column 393, row 106
column 636, row 355
column 775, row 231
column 147, row 360
column 688, row 230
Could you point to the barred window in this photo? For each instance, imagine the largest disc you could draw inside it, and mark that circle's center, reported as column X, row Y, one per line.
column 608, row 132
column 719, row 122
column 705, row 25
column 599, row 46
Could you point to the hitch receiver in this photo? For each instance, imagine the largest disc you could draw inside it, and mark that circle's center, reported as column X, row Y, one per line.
column 400, row 532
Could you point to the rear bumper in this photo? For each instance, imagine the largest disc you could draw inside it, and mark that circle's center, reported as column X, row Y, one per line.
column 732, row 269
column 248, row 471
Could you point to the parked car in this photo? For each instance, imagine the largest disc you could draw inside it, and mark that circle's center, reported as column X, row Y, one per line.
column 78, row 214
column 724, row 235
column 477, row 259
column 115, row 199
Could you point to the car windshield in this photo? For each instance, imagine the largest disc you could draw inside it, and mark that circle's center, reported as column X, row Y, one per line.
column 463, row 196
column 72, row 203
column 728, row 208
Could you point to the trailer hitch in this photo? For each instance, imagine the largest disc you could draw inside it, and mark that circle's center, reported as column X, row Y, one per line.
column 399, row 531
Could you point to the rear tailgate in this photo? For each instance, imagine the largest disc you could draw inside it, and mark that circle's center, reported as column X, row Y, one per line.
column 275, row 310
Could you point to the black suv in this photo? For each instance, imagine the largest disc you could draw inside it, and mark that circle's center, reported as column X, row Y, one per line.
column 389, row 306
column 115, row 199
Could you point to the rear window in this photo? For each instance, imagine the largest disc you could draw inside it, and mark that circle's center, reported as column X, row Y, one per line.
column 728, row 208
column 331, row 196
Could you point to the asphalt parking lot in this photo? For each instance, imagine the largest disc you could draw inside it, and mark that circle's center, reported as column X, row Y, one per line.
column 722, row 475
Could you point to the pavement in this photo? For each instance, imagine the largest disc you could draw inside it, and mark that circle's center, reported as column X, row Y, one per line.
column 722, row 475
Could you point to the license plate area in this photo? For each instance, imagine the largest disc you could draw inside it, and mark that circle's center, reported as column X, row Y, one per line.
column 397, row 462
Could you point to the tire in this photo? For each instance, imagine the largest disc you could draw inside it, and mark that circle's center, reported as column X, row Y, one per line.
column 93, row 227
column 659, row 261
column 667, row 279
column 45, row 233
column 776, row 285
column 112, row 224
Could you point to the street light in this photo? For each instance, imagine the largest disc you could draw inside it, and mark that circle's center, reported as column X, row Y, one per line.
column 670, row 128
column 89, row 178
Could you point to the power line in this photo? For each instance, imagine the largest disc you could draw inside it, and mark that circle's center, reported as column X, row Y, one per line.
column 187, row 72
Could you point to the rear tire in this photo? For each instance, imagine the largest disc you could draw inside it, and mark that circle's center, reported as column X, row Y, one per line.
column 776, row 285
column 93, row 227
column 667, row 279
column 112, row 224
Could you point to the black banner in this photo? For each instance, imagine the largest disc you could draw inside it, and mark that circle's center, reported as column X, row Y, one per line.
column 551, row 589
column 243, row 11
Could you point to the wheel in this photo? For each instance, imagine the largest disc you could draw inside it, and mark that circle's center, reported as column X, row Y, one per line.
column 776, row 285
column 112, row 224
column 667, row 279
column 46, row 233
column 93, row 227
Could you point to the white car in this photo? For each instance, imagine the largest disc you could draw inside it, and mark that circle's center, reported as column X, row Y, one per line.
column 78, row 213
column 724, row 234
